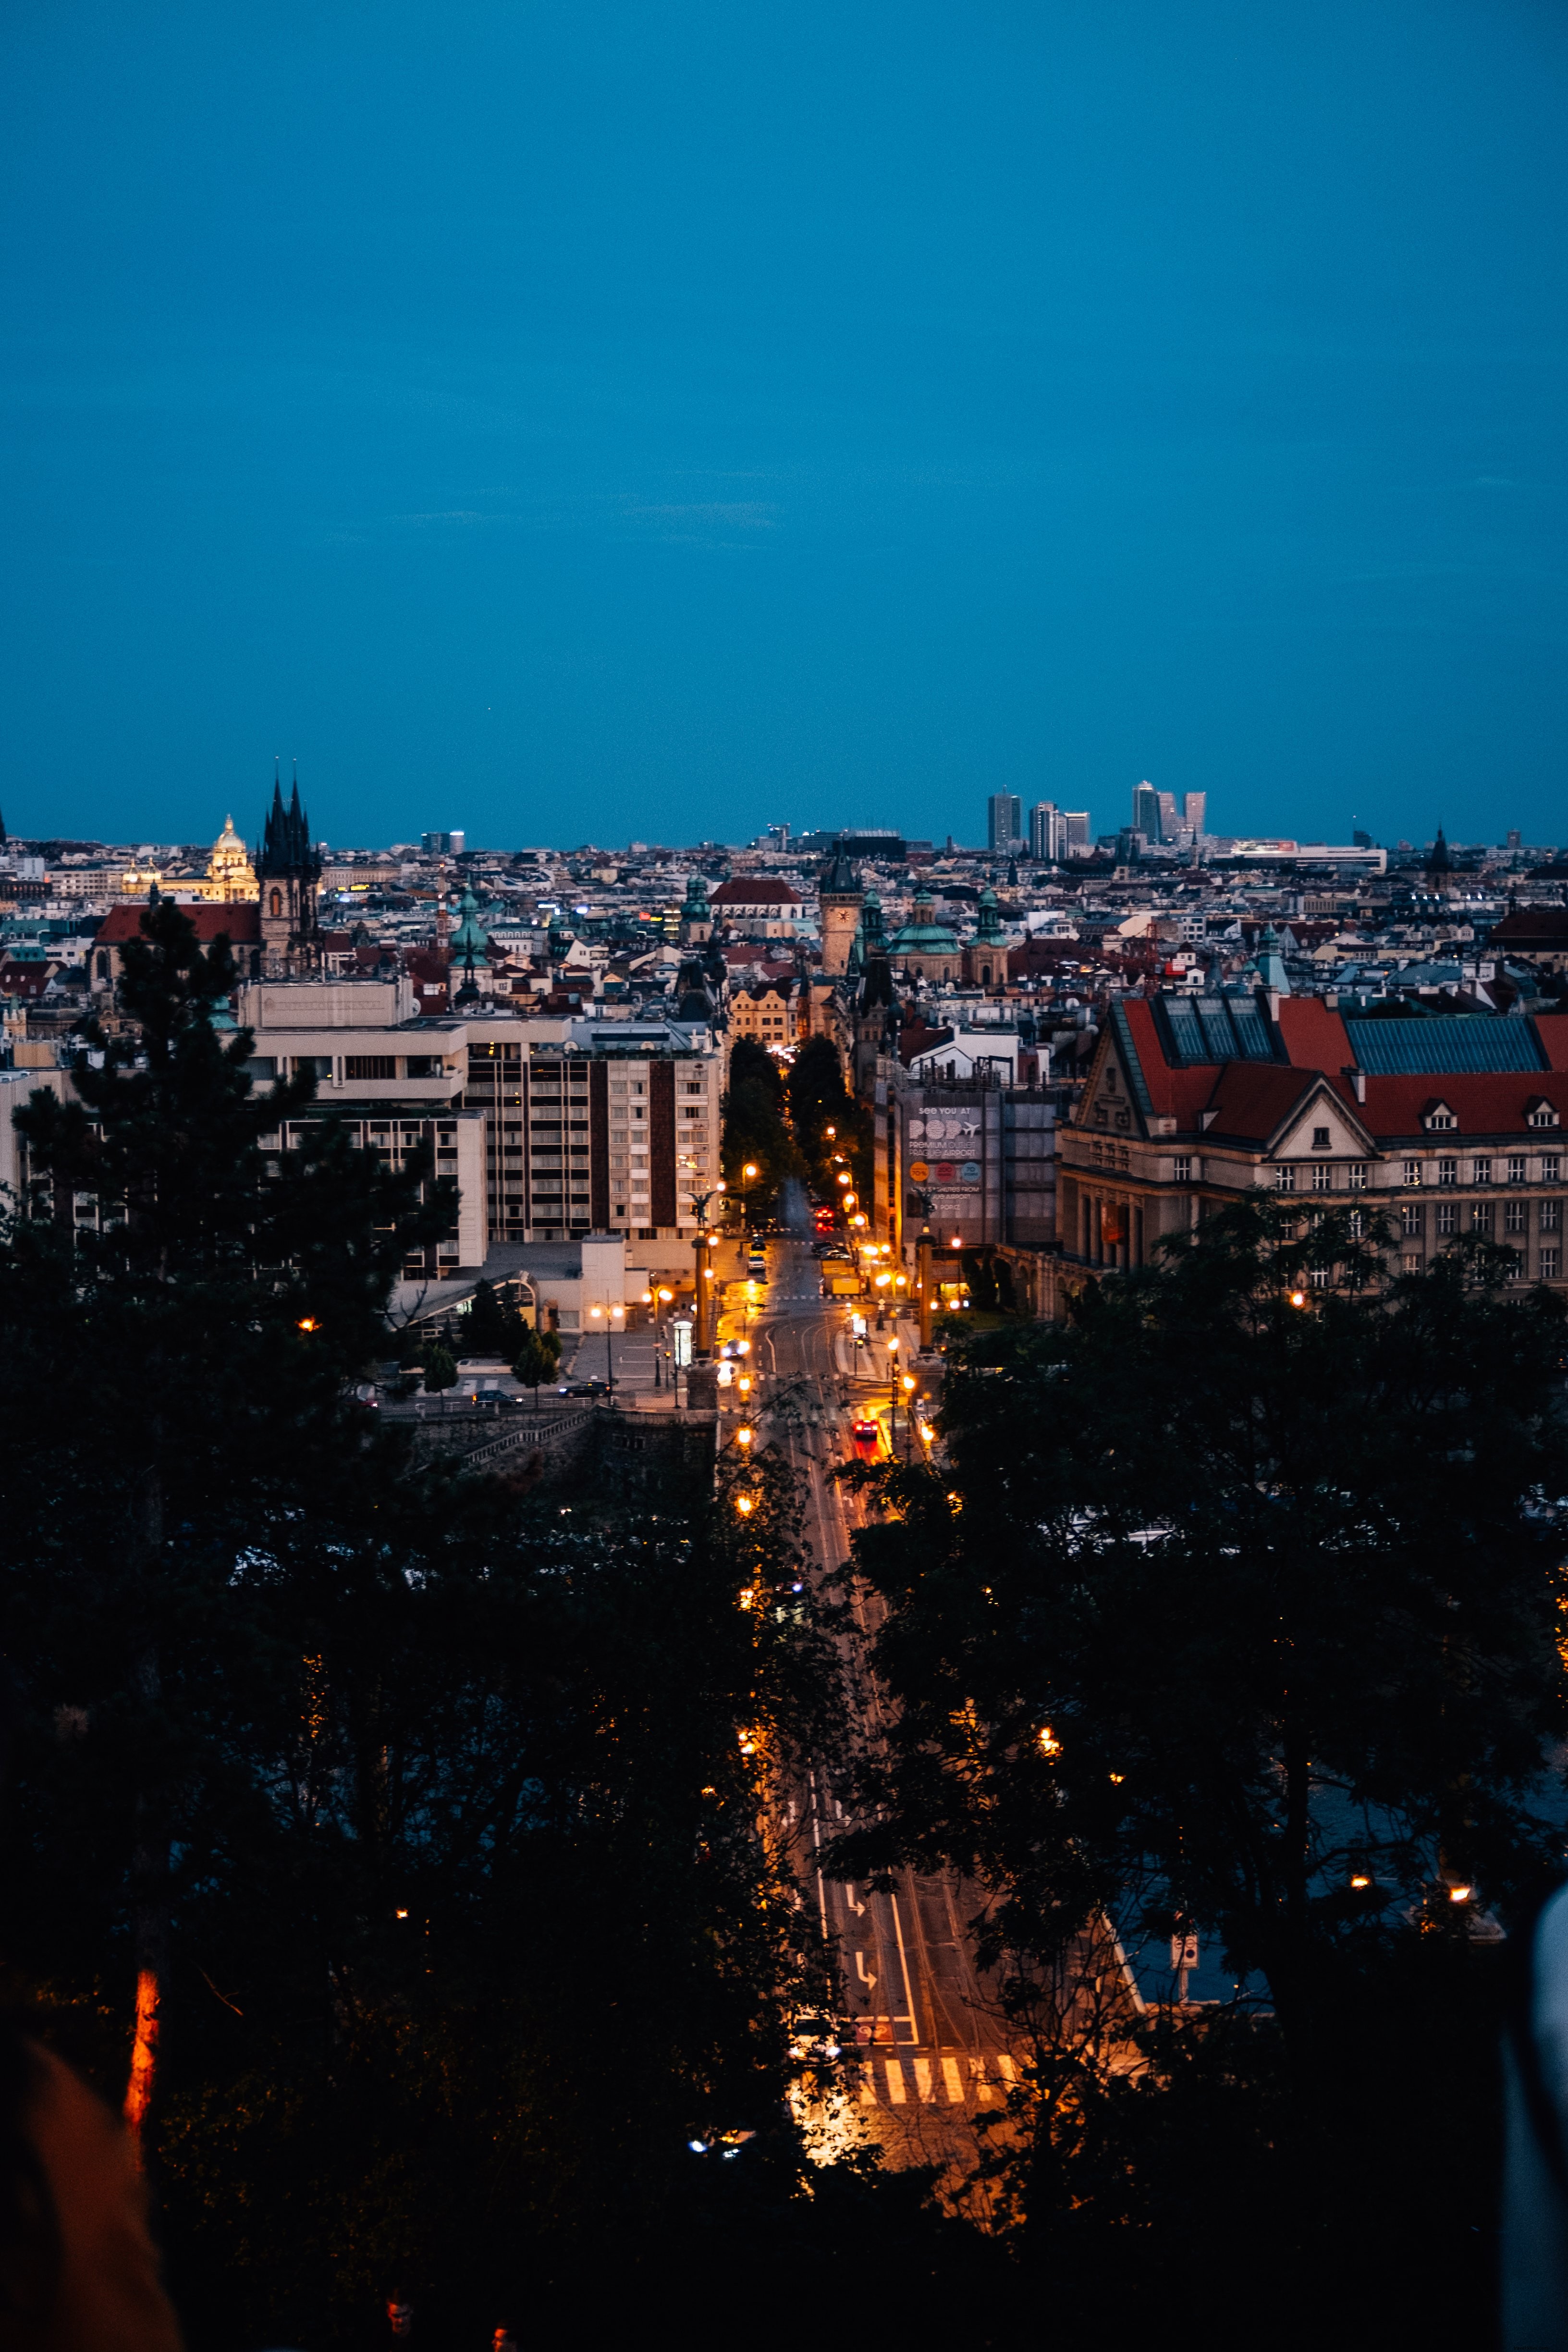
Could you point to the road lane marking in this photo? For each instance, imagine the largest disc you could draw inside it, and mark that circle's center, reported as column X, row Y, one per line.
column 867, row 2084
column 923, row 2080
column 903, row 1958
column 954, row 2081
column 895, row 2081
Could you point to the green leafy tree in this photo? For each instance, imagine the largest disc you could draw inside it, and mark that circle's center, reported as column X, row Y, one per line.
column 1236, row 1607
column 491, row 1327
column 199, row 1297
column 819, row 1100
column 534, row 1363
column 756, row 1131
column 440, row 1369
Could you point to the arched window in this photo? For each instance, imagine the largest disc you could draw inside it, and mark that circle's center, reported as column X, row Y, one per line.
column 276, row 907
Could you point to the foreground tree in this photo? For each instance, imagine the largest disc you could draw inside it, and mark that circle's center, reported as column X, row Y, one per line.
column 1235, row 1610
column 756, row 1131
column 819, row 1102
column 428, row 1819
column 196, row 1298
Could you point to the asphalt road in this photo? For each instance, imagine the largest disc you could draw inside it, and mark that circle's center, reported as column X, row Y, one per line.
column 930, row 2055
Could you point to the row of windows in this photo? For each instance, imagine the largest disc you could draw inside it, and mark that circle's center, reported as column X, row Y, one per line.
column 1483, row 1170
column 1512, row 1167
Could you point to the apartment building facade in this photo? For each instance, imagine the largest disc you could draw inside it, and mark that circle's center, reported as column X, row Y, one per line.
column 553, row 1129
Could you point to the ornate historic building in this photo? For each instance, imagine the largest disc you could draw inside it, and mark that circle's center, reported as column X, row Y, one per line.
column 288, row 871
column 230, row 877
column 839, row 896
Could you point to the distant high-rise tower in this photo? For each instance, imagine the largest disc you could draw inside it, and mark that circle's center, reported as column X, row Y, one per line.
column 839, row 895
column 288, row 870
column 1076, row 823
column 1003, row 822
column 1196, row 815
column 1146, row 812
column 1170, row 816
column 1048, row 833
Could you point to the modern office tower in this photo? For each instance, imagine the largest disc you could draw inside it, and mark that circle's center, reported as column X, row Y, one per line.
column 1170, row 817
column 1195, row 814
column 1048, row 833
column 1079, row 841
column 1004, row 822
column 442, row 844
column 1146, row 812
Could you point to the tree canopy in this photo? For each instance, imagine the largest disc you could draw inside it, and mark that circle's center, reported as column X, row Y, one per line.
column 432, row 1811
column 756, row 1130
column 1234, row 1609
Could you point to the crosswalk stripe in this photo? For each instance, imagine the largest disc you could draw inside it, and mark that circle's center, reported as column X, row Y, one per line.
column 895, row 2082
column 951, row 2077
column 922, row 2079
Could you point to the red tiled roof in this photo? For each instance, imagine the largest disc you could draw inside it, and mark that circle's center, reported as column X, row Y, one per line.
column 1315, row 1035
column 240, row 924
column 1548, row 925
column 1253, row 1099
column 1485, row 1102
column 754, row 890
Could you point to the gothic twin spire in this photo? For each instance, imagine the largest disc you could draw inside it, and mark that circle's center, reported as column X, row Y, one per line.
column 286, row 845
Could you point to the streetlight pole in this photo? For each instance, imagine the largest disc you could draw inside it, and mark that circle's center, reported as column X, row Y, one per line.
column 922, row 1263
column 705, row 1323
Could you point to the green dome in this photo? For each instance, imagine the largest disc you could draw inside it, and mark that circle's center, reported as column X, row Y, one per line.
column 921, row 935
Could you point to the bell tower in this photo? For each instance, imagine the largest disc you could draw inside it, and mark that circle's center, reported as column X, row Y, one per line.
column 288, row 871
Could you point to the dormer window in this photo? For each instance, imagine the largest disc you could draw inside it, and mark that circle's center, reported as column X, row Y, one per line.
column 1437, row 1117
column 1541, row 1113
column 1321, row 1139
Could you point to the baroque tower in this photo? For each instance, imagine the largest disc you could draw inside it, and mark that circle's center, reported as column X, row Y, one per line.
column 289, row 872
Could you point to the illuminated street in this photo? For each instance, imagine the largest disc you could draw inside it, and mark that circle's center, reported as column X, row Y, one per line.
column 931, row 2056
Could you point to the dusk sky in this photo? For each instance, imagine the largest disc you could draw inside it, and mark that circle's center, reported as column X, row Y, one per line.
column 580, row 422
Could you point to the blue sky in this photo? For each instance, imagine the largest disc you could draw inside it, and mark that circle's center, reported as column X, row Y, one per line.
column 587, row 421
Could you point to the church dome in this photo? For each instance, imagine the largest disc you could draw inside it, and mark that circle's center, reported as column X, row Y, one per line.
column 922, row 934
column 230, row 874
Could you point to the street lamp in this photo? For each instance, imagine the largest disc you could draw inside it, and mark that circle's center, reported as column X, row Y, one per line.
column 659, row 1299
column 704, row 1271
column 595, row 1313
